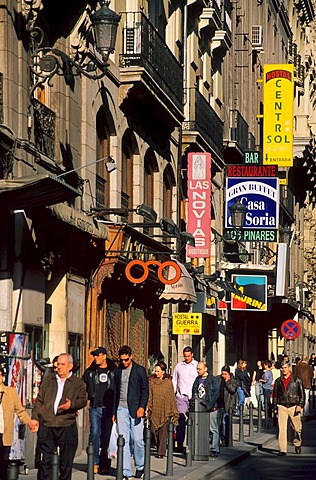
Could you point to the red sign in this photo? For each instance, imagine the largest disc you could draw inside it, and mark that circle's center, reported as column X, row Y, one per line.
column 199, row 204
column 251, row 171
column 290, row 329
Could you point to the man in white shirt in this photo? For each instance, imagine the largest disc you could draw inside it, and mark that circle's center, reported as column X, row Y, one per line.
column 183, row 378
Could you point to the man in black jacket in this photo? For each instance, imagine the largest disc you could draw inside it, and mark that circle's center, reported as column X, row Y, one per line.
column 60, row 397
column 288, row 402
column 130, row 400
column 206, row 388
column 99, row 380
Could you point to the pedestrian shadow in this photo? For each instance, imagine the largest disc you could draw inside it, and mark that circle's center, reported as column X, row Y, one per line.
column 270, row 451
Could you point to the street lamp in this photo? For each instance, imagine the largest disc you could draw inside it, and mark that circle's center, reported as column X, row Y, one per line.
column 286, row 234
column 48, row 61
column 238, row 213
column 105, row 23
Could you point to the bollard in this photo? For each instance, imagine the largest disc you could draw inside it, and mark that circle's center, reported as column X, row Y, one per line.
column 169, row 472
column 313, row 391
column 90, row 472
column 55, row 466
column 119, row 460
column 188, row 456
column 241, row 424
column 266, row 415
column 230, row 441
column 13, row 470
column 259, row 415
column 147, row 450
column 250, row 419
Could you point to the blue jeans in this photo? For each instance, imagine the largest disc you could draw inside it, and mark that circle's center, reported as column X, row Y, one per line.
column 241, row 398
column 132, row 430
column 214, row 430
column 100, row 432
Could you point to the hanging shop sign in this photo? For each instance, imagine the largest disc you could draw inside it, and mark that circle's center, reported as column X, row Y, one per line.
column 169, row 279
column 278, row 89
column 199, row 204
column 290, row 329
column 186, row 323
column 253, row 293
column 260, row 195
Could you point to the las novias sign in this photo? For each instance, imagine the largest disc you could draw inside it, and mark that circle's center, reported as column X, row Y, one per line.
column 199, row 204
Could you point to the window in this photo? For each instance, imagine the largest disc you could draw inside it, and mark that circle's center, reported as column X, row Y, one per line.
column 128, row 150
column 102, row 179
column 75, row 347
column 35, row 341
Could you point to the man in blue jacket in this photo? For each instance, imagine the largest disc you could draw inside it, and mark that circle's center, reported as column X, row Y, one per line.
column 130, row 401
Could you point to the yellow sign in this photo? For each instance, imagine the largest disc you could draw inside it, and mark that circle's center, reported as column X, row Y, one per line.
column 187, row 323
column 278, row 115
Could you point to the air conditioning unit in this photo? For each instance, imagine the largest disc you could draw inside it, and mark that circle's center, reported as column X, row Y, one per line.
column 257, row 37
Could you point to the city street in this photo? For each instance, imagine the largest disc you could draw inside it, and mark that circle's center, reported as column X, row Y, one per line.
column 266, row 465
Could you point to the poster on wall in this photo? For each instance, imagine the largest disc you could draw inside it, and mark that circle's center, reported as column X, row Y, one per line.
column 253, row 293
column 13, row 358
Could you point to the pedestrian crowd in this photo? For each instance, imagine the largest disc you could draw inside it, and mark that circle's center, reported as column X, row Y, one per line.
column 121, row 397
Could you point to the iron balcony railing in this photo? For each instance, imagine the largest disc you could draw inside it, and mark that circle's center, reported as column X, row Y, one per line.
column 144, row 47
column 227, row 18
column 239, row 129
column 44, row 129
column 205, row 120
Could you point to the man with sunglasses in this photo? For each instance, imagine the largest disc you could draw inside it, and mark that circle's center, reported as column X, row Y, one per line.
column 98, row 378
column 130, row 400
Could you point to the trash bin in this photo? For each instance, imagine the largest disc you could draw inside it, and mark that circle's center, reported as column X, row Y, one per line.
column 200, row 430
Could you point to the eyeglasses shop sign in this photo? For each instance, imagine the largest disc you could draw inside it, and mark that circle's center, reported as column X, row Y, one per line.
column 186, row 323
column 261, row 198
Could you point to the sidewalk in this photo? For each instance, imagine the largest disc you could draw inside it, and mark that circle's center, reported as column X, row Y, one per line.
column 200, row 470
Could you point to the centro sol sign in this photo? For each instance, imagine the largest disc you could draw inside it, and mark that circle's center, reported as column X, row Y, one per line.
column 145, row 268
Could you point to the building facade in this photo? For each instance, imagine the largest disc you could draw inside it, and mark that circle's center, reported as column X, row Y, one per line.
column 85, row 148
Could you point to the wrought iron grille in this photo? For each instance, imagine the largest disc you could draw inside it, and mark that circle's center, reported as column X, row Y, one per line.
column 205, row 120
column 44, row 128
column 239, row 129
column 144, row 47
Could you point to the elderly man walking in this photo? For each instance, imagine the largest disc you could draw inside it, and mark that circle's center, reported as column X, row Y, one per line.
column 61, row 395
column 288, row 402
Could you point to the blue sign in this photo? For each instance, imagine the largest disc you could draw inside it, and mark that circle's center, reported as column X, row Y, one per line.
column 261, row 198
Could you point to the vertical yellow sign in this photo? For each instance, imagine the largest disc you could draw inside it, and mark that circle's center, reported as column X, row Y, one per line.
column 278, row 115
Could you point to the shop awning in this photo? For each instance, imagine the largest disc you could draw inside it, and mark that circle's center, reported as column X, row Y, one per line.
column 35, row 191
column 181, row 291
column 79, row 220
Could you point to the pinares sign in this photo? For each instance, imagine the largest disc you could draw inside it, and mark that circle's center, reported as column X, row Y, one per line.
column 290, row 329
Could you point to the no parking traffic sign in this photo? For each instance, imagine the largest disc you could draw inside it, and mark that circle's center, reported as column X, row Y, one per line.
column 290, row 329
